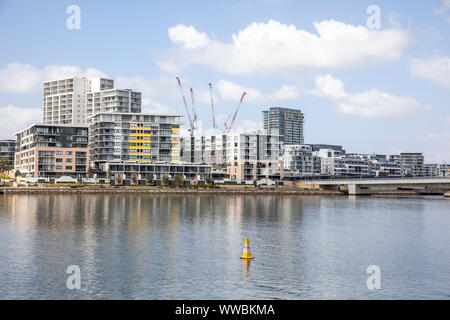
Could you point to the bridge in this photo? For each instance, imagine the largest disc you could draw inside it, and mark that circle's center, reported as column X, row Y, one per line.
column 364, row 186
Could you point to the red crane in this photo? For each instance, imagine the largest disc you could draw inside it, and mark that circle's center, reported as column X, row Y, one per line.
column 235, row 114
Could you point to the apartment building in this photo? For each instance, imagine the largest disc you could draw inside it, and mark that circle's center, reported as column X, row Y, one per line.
column 52, row 151
column 300, row 159
column 126, row 169
column 113, row 100
column 133, row 137
column 287, row 123
column 411, row 163
column 64, row 100
column 245, row 156
column 7, row 150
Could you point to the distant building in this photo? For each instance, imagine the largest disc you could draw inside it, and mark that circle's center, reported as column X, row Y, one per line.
column 287, row 123
column 336, row 148
column 411, row 163
column 300, row 159
column 7, row 150
column 133, row 137
column 430, row 170
column 52, row 151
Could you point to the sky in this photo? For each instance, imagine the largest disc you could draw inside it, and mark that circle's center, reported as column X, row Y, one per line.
column 372, row 76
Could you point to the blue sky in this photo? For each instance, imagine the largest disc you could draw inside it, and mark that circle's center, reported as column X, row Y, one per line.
column 381, row 91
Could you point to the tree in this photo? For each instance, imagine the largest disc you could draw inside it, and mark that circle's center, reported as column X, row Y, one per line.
column 208, row 180
column 134, row 177
column 5, row 166
column 109, row 173
column 119, row 179
column 150, row 179
column 89, row 172
column 178, row 180
column 165, row 180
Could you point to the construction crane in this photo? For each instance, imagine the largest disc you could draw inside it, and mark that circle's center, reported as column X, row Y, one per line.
column 191, row 124
column 212, row 107
column 228, row 128
column 193, row 110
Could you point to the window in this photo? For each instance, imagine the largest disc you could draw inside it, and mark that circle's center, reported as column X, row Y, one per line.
column 59, row 160
column 59, row 153
column 58, row 167
column 68, row 153
column 69, row 160
column 68, row 167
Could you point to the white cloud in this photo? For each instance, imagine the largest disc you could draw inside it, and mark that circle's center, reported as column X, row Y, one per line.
column 232, row 92
column 444, row 10
column 435, row 69
column 372, row 103
column 14, row 119
column 24, row 78
column 276, row 47
column 435, row 145
column 188, row 37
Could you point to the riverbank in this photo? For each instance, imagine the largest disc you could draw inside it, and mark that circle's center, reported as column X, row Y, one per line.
column 158, row 190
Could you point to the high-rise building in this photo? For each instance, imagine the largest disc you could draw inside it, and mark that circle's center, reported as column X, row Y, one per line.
column 7, row 149
column 133, row 137
column 112, row 100
column 52, row 151
column 74, row 100
column 287, row 123
column 64, row 100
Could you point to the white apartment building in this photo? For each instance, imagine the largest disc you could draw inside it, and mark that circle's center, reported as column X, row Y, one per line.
column 64, row 100
column 300, row 159
column 113, row 100
column 139, row 137
column 74, row 100
column 244, row 156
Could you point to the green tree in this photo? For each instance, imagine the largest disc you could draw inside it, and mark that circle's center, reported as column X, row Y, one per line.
column 150, row 179
column 5, row 166
column 178, row 180
column 165, row 180
column 208, row 180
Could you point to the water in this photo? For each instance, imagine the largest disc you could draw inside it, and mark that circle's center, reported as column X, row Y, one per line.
column 175, row 247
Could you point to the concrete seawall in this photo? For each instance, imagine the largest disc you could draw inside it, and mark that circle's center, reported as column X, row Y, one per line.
column 156, row 191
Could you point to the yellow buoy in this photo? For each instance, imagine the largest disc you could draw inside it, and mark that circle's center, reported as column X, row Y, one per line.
column 246, row 254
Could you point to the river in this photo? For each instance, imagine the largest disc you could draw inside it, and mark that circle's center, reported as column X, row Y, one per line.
column 132, row 246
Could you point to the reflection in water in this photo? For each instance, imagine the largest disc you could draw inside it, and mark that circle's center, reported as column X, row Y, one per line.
column 145, row 246
column 246, row 264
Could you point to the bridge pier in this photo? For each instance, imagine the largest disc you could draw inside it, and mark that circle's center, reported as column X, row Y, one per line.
column 358, row 190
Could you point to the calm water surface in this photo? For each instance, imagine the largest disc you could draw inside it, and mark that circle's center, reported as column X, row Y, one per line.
column 175, row 247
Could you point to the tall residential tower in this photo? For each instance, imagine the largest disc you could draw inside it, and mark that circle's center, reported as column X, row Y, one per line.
column 288, row 123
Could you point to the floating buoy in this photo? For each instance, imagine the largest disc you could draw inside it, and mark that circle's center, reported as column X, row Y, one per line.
column 246, row 254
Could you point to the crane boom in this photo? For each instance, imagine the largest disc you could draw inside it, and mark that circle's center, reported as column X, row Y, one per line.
column 212, row 107
column 236, row 112
column 185, row 104
column 193, row 109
